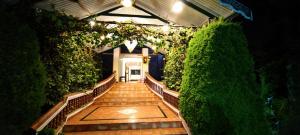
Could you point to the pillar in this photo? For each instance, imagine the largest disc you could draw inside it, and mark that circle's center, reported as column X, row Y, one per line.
column 116, row 62
column 145, row 53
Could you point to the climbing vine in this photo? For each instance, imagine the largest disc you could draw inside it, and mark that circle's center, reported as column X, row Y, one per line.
column 175, row 57
column 68, row 45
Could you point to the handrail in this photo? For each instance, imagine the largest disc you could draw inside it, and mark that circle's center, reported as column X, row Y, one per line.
column 58, row 114
column 171, row 97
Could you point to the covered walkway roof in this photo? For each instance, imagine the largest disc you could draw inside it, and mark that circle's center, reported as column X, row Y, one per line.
column 157, row 12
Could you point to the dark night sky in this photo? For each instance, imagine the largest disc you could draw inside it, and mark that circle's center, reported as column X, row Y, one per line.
column 275, row 31
column 274, row 37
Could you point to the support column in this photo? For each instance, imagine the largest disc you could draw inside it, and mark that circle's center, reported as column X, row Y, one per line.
column 145, row 53
column 116, row 62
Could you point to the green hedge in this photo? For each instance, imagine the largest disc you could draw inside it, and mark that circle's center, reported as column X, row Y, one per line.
column 219, row 95
column 22, row 76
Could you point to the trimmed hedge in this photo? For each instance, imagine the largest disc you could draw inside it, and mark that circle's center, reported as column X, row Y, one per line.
column 219, row 95
column 22, row 76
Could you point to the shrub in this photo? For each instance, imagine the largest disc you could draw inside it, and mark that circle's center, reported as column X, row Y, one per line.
column 174, row 67
column 22, row 76
column 175, row 56
column 67, row 52
column 219, row 95
column 70, row 66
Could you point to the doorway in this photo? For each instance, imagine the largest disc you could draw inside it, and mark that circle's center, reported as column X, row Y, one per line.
column 131, row 68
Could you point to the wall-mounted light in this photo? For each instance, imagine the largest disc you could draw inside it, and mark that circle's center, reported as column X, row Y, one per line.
column 177, row 7
column 145, row 59
column 127, row 3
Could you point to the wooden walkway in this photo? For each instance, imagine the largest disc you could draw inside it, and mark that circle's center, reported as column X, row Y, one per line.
column 126, row 109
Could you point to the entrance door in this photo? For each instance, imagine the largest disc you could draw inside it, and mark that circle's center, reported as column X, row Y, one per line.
column 131, row 68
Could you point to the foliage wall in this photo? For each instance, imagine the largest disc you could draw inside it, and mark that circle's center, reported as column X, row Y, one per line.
column 219, row 94
column 175, row 57
column 174, row 67
column 67, row 53
column 22, row 76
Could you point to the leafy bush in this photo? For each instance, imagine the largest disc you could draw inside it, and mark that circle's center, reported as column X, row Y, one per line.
column 22, row 76
column 70, row 66
column 219, row 95
column 174, row 67
column 175, row 56
column 67, row 51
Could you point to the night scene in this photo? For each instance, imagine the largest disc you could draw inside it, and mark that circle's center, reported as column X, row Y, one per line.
column 149, row 67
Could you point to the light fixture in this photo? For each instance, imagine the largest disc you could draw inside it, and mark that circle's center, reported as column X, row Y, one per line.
column 177, row 7
column 92, row 23
column 130, row 45
column 127, row 3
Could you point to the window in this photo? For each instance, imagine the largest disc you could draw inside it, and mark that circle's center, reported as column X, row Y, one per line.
column 135, row 72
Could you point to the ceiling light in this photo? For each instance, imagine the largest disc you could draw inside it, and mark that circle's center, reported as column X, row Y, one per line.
column 92, row 23
column 127, row 3
column 177, row 7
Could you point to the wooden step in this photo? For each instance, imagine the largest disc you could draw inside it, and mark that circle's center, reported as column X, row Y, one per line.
column 121, row 126
column 117, row 95
column 128, row 99
column 126, row 103
column 159, row 131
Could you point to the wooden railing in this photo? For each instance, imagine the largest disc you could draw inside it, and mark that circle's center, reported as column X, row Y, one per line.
column 57, row 115
column 171, row 97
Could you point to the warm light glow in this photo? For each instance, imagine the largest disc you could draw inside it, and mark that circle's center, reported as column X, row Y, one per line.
column 165, row 28
column 128, row 111
column 102, row 37
column 92, row 23
column 130, row 45
column 177, row 7
column 127, row 3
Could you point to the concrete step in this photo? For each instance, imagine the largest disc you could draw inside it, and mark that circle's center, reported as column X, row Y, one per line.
column 159, row 131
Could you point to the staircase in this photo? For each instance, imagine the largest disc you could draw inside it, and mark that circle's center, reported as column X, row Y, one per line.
column 128, row 108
